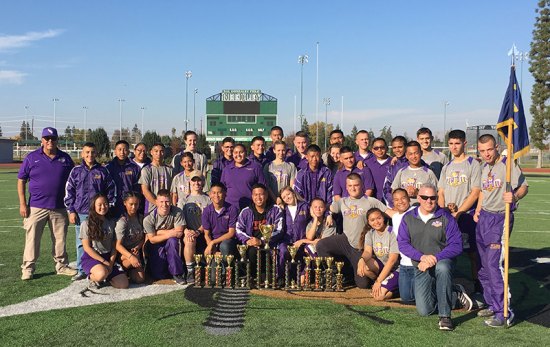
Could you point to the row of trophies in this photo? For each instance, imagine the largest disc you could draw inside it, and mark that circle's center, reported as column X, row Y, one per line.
column 267, row 256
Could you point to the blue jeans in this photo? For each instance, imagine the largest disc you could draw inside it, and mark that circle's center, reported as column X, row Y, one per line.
column 406, row 283
column 79, row 248
column 433, row 289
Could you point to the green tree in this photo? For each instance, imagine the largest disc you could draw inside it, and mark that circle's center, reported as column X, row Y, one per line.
column 324, row 131
column 386, row 134
column 305, row 126
column 371, row 135
column 540, row 69
column 349, row 140
column 1, row 131
column 150, row 138
column 136, row 134
column 101, row 140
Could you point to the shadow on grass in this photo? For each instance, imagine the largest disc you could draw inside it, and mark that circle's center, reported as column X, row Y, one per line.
column 372, row 314
column 42, row 274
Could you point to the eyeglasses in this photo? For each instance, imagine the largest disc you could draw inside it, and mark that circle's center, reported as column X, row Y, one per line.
column 50, row 138
column 378, row 148
column 426, row 197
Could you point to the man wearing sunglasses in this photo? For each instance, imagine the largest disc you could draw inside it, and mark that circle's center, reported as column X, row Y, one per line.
column 378, row 165
column 429, row 235
column 47, row 170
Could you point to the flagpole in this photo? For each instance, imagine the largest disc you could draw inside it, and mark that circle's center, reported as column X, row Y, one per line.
column 509, row 160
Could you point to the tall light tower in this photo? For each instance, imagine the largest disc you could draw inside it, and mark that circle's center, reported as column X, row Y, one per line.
column 120, row 101
column 55, row 100
column 85, row 122
column 194, row 118
column 445, row 104
column 302, row 59
column 326, row 101
column 27, row 122
column 143, row 108
column 188, row 75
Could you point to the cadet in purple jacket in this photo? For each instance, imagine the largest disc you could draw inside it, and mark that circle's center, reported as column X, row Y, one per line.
column 240, row 176
column 47, row 170
column 276, row 134
column 257, row 149
column 314, row 181
column 378, row 165
column 223, row 160
column 125, row 174
column 301, row 143
column 261, row 211
column 347, row 158
column 85, row 181
column 399, row 160
column 362, row 141
column 430, row 236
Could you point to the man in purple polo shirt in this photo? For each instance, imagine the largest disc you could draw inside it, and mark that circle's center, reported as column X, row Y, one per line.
column 314, row 181
column 430, row 236
column 301, row 142
column 223, row 160
column 125, row 174
column 399, row 161
column 46, row 169
column 85, row 181
column 362, row 141
column 378, row 165
column 347, row 159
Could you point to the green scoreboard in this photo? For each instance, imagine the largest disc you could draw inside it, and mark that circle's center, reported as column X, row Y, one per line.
column 241, row 114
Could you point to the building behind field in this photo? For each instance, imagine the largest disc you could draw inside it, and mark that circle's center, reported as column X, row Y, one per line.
column 474, row 132
column 241, row 114
column 6, row 150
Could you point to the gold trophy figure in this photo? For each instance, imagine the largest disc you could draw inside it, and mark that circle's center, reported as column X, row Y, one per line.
column 318, row 262
column 209, row 258
column 218, row 258
column 198, row 277
column 339, row 277
column 292, row 251
column 328, row 274
column 229, row 271
column 267, row 231
column 245, row 265
column 307, row 273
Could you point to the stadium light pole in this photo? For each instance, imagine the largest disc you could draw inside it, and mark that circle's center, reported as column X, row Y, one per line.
column 143, row 108
column 26, row 122
column 194, row 109
column 120, row 101
column 85, row 122
column 55, row 100
column 302, row 59
column 317, row 95
column 445, row 104
column 188, row 75
column 326, row 101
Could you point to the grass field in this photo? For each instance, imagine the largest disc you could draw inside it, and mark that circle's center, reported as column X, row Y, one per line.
column 178, row 317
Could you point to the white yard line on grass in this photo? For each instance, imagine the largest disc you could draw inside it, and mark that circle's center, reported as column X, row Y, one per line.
column 531, row 231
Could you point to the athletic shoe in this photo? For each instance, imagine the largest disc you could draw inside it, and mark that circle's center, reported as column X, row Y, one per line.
column 486, row 312
column 67, row 271
column 445, row 323
column 500, row 322
column 92, row 285
column 79, row 276
column 463, row 298
column 180, row 280
column 190, row 277
column 26, row 276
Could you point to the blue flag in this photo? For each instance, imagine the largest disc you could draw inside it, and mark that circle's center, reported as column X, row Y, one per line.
column 512, row 115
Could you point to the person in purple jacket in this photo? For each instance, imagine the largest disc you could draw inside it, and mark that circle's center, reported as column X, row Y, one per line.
column 47, row 170
column 399, row 161
column 125, row 174
column 378, row 165
column 314, row 181
column 85, row 181
column 362, row 141
column 257, row 147
column 223, row 160
column 347, row 158
column 240, row 176
column 430, row 236
column 262, row 210
column 301, row 143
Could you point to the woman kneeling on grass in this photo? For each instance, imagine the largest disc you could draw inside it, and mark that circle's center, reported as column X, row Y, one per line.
column 130, row 237
column 380, row 256
column 98, row 239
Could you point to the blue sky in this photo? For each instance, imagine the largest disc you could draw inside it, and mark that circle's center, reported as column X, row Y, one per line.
column 394, row 62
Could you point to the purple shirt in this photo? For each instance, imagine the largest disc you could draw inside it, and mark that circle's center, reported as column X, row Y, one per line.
column 219, row 223
column 262, row 160
column 84, row 183
column 390, row 176
column 378, row 172
column 126, row 177
column 298, row 161
column 339, row 182
column 47, row 178
column 217, row 168
column 314, row 184
column 359, row 158
column 296, row 229
column 239, row 182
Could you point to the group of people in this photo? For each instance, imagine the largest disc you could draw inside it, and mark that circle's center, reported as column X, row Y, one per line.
column 398, row 222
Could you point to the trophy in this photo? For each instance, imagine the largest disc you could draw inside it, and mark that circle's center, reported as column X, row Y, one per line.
column 318, row 262
column 267, row 231
column 339, row 277
column 288, row 267
column 328, row 274
column 274, row 254
column 198, row 278
column 207, row 270
column 245, row 263
column 229, row 271
column 307, row 274
column 218, row 258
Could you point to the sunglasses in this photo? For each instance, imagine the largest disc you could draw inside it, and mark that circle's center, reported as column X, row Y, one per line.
column 426, row 197
column 378, row 148
column 50, row 138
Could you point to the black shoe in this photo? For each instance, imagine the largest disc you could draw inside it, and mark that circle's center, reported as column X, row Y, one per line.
column 463, row 298
column 445, row 323
column 190, row 277
column 179, row 280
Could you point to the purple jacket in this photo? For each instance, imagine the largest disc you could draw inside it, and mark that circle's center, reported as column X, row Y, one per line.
column 262, row 160
column 126, row 179
column 217, row 169
column 390, row 176
column 359, row 158
column 440, row 236
column 317, row 184
column 84, row 183
column 339, row 181
column 379, row 172
column 296, row 229
column 245, row 224
column 298, row 161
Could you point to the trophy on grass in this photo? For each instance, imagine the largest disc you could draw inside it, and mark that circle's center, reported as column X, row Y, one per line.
column 307, row 273
column 198, row 277
column 245, row 265
column 207, row 268
column 229, row 271
column 267, row 231
column 218, row 258
column 339, row 276
column 318, row 262
column 292, row 250
column 328, row 274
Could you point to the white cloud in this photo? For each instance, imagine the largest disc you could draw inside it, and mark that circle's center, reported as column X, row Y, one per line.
column 11, row 77
column 9, row 42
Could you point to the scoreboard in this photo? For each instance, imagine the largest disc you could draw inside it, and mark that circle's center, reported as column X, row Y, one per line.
column 241, row 114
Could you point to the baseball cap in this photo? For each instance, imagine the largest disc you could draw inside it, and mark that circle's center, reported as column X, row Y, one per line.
column 49, row 131
column 196, row 173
